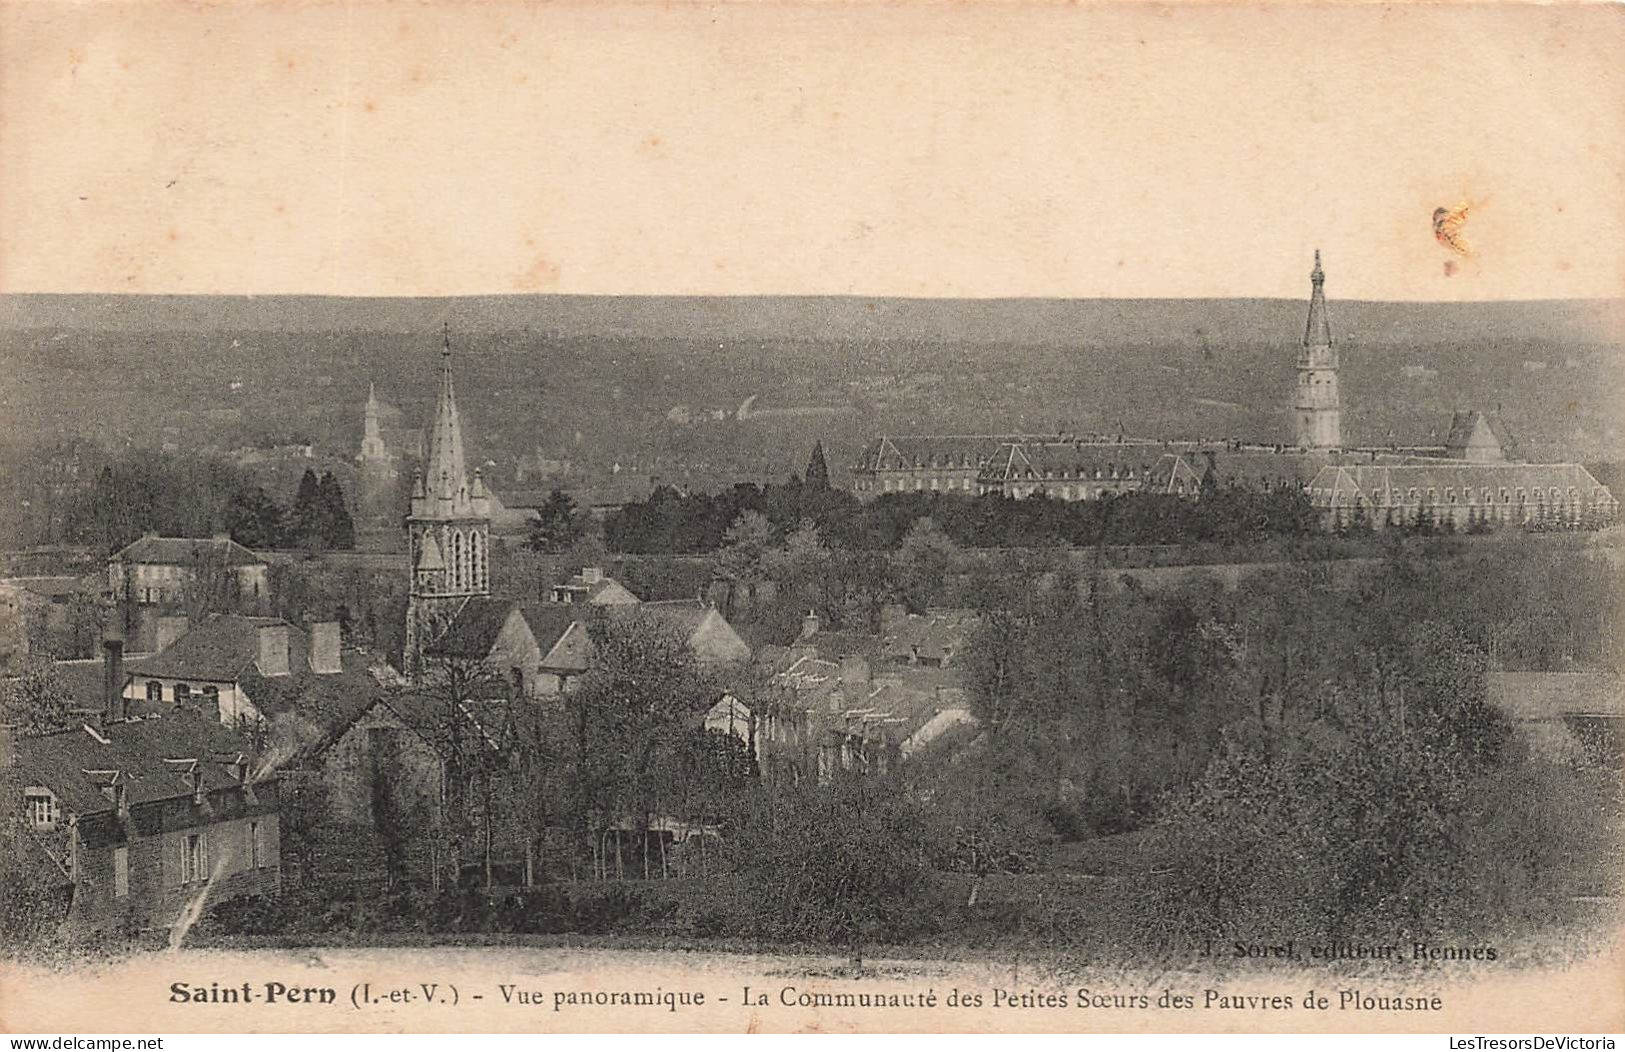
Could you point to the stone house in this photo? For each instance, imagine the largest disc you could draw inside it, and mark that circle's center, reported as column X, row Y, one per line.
column 247, row 670
column 143, row 816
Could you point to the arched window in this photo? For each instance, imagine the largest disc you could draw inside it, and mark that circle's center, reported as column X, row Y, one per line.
column 458, row 566
column 477, row 558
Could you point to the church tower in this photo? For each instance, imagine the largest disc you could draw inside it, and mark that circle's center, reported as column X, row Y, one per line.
column 1317, row 409
column 374, row 454
column 448, row 527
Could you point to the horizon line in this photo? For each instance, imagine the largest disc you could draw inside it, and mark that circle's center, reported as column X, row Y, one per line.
column 784, row 296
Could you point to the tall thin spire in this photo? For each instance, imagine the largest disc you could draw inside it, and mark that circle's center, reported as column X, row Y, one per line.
column 1318, row 333
column 446, row 477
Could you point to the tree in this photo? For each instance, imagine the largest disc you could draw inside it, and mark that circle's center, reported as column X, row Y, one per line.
column 741, row 562
column 556, row 526
column 335, row 527
column 305, row 519
column 254, row 519
column 817, row 476
column 839, row 864
column 644, row 693
column 34, row 701
column 986, row 810
column 455, row 699
column 923, row 562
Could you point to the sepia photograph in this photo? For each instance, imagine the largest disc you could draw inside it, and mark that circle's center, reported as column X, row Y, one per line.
column 839, row 517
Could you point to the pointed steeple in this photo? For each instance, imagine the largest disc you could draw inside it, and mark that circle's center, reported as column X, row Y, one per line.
column 1318, row 333
column 446, row 477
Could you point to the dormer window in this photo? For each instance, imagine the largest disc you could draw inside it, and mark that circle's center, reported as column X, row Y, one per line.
column 42, row 808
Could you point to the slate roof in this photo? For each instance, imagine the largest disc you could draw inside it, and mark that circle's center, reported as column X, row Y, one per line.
column 1389, row 485
column 1462, row 426
column 906, row 452
column 681, row 615
column 219, row 649
column 187, row 551
column 149, row 756
column 1557, row 695
column 82, row 679
column 330, row 700
column 1148, row 467
column 474, row 630
column 549, row 621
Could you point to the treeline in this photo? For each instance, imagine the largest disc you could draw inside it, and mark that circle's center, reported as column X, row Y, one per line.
column 1316, row 761
column 669, row 521
column 197, row 497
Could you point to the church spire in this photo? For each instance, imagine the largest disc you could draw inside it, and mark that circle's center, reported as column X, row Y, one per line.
column 1318, row 333
column 446, row 477
column 1317, row 407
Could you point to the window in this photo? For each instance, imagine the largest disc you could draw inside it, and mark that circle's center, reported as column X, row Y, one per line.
column 194, row 859
column 254, row 861
column 1504, row 498
column 121, row 872
column 155, row 691
column 43, row 812
column 183, row 693
column 1450, row 494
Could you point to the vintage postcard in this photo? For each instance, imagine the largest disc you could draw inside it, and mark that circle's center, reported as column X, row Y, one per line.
column 794, row 516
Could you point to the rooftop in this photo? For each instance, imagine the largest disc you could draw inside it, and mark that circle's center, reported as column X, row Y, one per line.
column 187, row 551
column 150, row 757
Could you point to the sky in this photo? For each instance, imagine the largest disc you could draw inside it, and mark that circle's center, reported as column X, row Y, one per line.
column 908, row 149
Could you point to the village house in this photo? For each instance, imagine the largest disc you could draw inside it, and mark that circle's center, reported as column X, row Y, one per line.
column 592, row 587
column 144, row 815
column 818, row 716
column 937, row 638
column 246, row 671
column 155, row 571
column 544, row 649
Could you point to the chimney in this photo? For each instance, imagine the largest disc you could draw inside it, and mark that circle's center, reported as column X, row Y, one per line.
column 170, row 628
column 112, row 679
column 273, row 650
column 591, row 574
column 809, row 626
column 324, row 648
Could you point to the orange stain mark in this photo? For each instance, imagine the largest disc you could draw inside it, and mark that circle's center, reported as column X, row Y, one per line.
column 541, row 274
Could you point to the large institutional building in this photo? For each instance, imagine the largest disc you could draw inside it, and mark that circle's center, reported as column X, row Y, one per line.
column 1474, row 478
